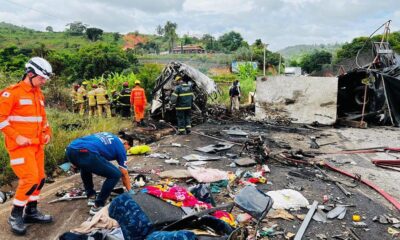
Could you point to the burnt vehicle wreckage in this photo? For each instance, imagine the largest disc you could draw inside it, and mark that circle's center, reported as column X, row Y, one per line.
column 371, row 92
column 203, row 87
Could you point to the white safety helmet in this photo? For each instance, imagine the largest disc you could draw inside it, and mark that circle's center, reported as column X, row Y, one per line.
column 39, row 66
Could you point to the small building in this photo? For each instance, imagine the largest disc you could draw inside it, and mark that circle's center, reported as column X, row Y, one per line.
column 189, row 49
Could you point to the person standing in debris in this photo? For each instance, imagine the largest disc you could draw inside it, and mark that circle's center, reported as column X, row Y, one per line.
column 102, row 101
column 91, row 95
column 234, row 94
column 91, row 154
column 24, row 124
column 138, row 101
column 124, row 100
column 182, row 99
column 81, row 97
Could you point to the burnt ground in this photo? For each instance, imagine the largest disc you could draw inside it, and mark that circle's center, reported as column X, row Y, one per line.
column 367, row 203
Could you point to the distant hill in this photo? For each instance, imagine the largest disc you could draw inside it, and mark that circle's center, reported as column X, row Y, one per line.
column 295, row 52
column 23, row 37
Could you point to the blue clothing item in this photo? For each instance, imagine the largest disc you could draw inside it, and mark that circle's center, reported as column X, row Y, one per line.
column 89, row 163
column 108, row 145
column 134, row 223
column 175, row 235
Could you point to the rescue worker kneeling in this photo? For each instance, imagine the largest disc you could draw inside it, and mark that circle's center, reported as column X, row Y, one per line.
column 91, row 154
column 24, row 124
column 182, row 99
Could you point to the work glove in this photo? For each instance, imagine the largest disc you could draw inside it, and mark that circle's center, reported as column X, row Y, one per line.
column 131, row 192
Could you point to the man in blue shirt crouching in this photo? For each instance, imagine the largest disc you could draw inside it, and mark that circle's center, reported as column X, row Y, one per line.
column 91, row 154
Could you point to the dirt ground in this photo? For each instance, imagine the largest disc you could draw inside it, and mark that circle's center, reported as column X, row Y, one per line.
column 367, row 203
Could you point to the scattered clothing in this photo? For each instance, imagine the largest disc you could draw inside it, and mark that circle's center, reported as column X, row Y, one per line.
column 99, row 221
column 135, row 225
column 208, row 175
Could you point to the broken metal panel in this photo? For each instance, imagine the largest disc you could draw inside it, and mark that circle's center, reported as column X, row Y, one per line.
column 382, row 96
column 301, row 99
column 203, row 88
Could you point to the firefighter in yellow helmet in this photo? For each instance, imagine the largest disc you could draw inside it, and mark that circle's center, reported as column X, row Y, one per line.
column 92, row 101
column 81, row 97
column 102, row 101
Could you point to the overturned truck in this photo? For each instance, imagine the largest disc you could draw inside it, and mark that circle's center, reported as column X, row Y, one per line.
column 203, row 89
column 372, row 92
column 369, row 93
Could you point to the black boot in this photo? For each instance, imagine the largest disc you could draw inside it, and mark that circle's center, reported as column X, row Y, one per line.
column 16, row 221
column 32, row 214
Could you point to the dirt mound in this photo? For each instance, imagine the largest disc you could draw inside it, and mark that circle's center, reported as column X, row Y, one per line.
column 131, row 40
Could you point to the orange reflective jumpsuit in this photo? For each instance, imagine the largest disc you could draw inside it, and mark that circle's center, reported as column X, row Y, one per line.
column 139, row 101
column 22, row 112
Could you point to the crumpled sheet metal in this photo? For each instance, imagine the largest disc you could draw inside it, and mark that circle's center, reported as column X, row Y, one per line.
column 220, row 146
column 166, row 82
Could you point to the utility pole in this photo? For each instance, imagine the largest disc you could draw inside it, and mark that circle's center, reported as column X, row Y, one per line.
column 280, row 60
column 265, row 48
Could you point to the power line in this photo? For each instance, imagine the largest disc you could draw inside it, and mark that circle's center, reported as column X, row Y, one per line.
column 33, row 9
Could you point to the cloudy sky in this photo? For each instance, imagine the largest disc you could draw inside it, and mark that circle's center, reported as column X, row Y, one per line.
column 280, row 23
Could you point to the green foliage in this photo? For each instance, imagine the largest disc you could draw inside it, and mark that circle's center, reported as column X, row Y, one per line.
column 147, row 75
column 49, row 28
column 211, row 44
column 313, row 62
column 230, row 41
column 244, row 54
column 76, row 28
column 298, row 51
column 93, row 34
column 349, row 50
column 247, row 72
column 12, row 61
column 170, row 34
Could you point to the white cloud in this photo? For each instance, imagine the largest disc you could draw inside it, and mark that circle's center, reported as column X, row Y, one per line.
column 280, row 23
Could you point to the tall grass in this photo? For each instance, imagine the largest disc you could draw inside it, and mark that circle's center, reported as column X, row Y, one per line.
column 66, row 127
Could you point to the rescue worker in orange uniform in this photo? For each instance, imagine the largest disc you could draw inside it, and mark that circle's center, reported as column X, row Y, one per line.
column 138, row 101
column 24, row 124
column 81, row 98
column 102, row 101
column 91, row 95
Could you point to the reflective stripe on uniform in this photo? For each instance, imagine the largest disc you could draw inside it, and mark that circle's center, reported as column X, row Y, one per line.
column 25, row 102
column 181, row 129
column 188, row 126
column 183, row 108
column 42, row 102
column 25, row 119
column 17, row 161
column 185, row 94
column 4, row 124
column 33, row 198
column 19, row 203
column 175, row 94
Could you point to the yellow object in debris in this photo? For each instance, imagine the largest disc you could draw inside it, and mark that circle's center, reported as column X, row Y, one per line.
column 356, row 218
column 137, row 150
